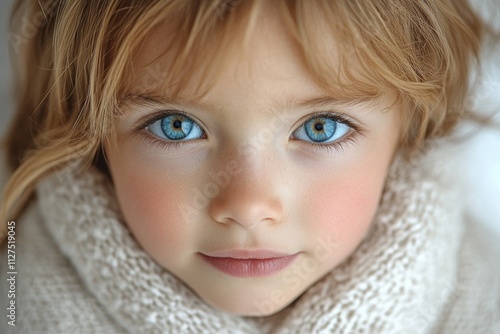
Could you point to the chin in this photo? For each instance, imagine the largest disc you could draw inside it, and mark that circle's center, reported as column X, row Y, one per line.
column 250, row 307
column 252, row 310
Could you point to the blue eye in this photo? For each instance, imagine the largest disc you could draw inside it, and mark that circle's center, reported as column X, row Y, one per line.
column 175, row 127
column 322, row 129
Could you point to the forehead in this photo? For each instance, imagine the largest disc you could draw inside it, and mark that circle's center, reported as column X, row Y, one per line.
column 256, row 52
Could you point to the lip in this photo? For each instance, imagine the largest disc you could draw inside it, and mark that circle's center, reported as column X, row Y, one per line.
column 249, row 263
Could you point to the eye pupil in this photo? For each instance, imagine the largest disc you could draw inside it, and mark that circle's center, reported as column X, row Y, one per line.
column 177, row 124
column 318, row 126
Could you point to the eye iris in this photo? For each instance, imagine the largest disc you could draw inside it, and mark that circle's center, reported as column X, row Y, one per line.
column 320, row 128
column 176, row 127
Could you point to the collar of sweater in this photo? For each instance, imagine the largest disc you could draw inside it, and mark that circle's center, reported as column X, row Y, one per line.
column 398, row 279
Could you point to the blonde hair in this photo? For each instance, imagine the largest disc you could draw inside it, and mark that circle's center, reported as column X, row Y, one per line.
column 73, row 69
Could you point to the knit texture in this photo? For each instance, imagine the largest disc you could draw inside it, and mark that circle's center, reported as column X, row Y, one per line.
column 420, row 269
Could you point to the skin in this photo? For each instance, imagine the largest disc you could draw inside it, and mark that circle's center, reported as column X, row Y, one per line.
column 278, row 193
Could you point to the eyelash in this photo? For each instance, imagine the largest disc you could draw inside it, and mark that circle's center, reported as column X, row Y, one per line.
column 150, row 139
column 340, row 145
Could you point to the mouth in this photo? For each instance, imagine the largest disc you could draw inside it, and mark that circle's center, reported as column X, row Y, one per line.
column 244, row 263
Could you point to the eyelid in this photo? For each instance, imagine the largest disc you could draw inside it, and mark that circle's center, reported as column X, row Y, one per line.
column 335, row 115
column 341, row 117
column 357, row 130
column 160, row 114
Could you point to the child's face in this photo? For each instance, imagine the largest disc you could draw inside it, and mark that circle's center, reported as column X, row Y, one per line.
column 248, row 180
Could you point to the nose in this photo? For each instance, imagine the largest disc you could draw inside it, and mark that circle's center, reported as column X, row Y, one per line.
column 248, row 199
column 246, row 209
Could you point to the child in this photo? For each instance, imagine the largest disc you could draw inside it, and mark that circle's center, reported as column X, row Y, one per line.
column 242, row 167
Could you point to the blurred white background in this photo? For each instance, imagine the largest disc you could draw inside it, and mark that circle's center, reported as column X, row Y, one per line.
column 480, row 157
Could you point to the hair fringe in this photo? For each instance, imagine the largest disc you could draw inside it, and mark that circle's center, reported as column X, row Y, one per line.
column 75, row 70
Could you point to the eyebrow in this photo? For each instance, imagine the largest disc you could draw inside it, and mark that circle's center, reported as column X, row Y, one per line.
column 154, row 101
column 279, row 107
column 322, row 101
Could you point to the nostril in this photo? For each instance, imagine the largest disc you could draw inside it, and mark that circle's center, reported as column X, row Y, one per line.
column 245, row 211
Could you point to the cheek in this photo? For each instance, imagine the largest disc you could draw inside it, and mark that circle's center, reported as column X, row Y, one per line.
column 342, row 208
column 150, row 203
column 344, row 212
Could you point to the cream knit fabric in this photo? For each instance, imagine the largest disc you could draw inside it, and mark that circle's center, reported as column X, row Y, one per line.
column 421, row 269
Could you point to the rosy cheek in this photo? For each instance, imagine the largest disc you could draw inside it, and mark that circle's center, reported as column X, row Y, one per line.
column 342, row 209
column 150, row 204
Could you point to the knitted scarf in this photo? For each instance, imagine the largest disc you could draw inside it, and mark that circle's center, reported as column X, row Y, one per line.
column 398, row 280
